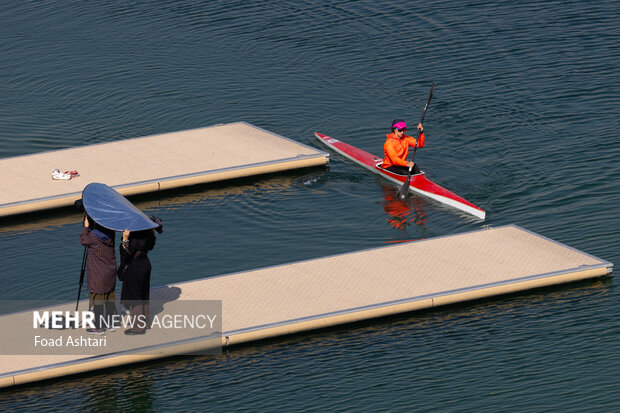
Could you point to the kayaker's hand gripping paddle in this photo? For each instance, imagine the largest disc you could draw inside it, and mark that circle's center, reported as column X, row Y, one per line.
column 404, row 190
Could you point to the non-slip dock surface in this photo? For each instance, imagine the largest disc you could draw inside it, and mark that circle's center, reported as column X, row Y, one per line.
column 437, row 267
column 350, row 287
column 150, row 164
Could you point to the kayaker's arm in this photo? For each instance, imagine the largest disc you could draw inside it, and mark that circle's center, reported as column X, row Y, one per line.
column 419, row 142
column 86, row 238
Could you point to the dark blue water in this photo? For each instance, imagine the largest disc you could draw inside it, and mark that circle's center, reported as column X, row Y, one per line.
column 523, row 123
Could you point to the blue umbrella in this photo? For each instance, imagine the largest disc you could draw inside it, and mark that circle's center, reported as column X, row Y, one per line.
column 111, row 210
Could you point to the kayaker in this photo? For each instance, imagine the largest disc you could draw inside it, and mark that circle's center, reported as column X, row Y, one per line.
column 396, row 148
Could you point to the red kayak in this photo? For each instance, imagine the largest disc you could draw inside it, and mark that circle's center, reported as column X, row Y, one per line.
column 419, row 183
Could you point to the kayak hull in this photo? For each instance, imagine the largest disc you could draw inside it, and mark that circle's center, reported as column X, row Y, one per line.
column 419, row 183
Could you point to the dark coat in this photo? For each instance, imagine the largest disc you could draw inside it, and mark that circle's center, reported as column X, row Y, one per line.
column 100, row 263
column 137, row 275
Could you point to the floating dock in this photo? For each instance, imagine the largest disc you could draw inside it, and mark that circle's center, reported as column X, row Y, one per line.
column 150, row 164
column 335, row 290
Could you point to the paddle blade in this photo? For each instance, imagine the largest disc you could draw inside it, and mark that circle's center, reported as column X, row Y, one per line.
column 404, row 189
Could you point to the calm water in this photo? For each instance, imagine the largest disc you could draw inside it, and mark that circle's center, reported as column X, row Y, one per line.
column 523, row 123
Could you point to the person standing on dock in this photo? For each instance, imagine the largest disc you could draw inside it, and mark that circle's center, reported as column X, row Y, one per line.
column 396, row 148
column 135, row 271
column 101, row 273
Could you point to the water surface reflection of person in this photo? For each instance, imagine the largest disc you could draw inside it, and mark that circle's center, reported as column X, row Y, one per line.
column 400, row 210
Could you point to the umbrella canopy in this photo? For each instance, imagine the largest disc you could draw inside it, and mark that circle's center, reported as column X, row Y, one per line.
column 111, row 210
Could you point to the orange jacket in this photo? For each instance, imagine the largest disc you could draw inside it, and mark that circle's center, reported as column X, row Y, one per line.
column 396, row 150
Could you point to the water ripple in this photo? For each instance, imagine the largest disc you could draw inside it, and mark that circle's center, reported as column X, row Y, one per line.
column 523, row 122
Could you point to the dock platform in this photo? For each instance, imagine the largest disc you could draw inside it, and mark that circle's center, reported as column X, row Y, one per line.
column 150, row 164
column 335, row 290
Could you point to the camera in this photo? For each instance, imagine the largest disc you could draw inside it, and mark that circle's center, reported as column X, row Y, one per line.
column 79, row 205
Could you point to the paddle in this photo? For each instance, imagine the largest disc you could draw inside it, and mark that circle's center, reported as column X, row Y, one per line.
column 82, row 276
column 404, row 190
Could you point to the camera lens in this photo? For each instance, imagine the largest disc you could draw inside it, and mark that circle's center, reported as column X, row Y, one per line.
column 79, row 205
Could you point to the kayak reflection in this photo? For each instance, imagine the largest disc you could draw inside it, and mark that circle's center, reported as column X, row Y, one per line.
column 399, row 210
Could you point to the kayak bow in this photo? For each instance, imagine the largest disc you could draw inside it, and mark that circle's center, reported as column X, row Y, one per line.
column 419, row 183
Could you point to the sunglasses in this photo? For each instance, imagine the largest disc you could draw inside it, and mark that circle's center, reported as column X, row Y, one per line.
column 401, row 130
